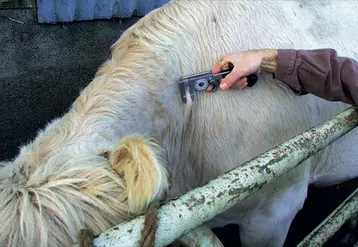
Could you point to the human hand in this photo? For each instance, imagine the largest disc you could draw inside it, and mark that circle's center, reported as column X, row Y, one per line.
column 245, row 63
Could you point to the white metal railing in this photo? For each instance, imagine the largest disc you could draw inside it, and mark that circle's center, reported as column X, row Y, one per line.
column 332, row 223
column 183, row 215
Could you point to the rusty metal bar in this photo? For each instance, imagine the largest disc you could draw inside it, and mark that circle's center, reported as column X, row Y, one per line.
column 183, row 215
column 332, row 223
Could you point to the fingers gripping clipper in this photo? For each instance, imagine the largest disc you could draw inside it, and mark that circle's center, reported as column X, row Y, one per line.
column 201, row 81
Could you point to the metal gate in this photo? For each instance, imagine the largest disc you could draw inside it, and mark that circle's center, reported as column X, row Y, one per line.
column 184, row 216
column 53, row 11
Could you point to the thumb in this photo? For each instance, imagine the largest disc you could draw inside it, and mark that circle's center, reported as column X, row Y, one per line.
column 218, row 67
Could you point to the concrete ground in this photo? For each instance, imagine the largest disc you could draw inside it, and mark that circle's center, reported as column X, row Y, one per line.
column 42, row 70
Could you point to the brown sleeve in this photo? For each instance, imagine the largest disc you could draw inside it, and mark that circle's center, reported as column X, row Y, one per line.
column 320, row 72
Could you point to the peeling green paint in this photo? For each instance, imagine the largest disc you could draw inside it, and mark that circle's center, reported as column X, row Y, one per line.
column 201, row 205
column 220, row 194
column 194, row 201
column 237, row 192
column 332, row 223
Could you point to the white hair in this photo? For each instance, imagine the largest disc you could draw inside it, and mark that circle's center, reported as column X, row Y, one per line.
column 132, row 111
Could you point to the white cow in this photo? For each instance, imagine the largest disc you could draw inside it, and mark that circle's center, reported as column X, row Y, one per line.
column 129, row 139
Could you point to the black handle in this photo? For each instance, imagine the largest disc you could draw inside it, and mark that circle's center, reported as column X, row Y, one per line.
column 252, row 79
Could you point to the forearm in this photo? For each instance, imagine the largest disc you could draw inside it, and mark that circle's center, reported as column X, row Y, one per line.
column 269, row 60
column 319, row 72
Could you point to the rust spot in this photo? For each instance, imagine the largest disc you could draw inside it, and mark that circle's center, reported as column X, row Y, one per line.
column 238, row 179
column 350, row 118
column 235, row 193
column 210, row 202
column 220, row 194
column 194, row 201
column 265, row 167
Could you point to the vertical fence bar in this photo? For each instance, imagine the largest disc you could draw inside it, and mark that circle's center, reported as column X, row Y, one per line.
column 178, row 217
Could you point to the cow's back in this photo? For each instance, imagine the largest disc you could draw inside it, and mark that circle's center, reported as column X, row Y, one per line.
column 226, row 128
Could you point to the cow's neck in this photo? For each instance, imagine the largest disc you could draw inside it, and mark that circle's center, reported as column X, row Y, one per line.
column 108, row 110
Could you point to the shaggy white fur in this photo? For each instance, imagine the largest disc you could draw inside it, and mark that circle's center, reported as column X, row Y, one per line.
column 62, row 181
